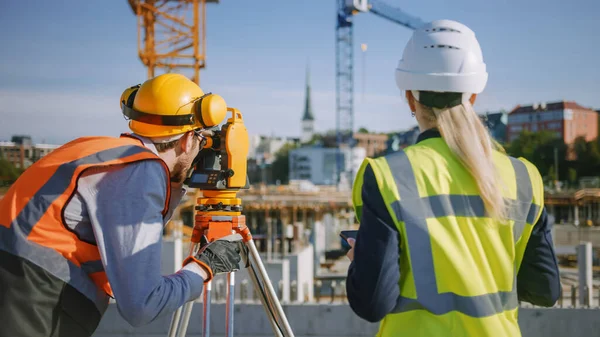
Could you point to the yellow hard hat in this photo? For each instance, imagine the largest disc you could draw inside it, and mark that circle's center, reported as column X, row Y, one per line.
column 170, row 104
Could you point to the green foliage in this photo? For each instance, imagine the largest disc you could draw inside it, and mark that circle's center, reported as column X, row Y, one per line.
column 363, row 130
column 552, row 174
column 588, row 157
column 572, row 175
column 316, row 139
column 8, row 172
column 539, row 148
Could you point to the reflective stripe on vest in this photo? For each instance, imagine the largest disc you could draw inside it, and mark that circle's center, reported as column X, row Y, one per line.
column 413, row 210
column 31, row 222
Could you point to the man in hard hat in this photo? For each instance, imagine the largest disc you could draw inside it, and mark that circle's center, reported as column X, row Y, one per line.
column 85, row 223
column 453, row 232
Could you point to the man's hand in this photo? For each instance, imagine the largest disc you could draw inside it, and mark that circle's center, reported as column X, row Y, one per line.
column 350, row 253
column 218, row 257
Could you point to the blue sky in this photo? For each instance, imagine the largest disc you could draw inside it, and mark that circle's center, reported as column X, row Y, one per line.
column 63, row 65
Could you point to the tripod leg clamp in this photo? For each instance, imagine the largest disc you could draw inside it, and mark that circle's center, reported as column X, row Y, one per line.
column 194, row 259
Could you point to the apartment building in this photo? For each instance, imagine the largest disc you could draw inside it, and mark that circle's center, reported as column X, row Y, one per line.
column 21, row 151
column 567, row 119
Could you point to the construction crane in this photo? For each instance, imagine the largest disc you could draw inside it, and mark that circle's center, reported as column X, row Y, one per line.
column 171, row 36
column 346, row 9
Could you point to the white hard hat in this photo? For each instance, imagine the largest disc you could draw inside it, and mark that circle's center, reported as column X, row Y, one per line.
column 442, row 56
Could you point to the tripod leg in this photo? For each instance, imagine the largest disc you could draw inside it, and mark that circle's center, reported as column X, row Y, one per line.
column 187, row 312
column 177, row 314
column 206, row 310
column 266, row 305
column 270, row 292
column 230, row 303
column 257, row 286
column 275, row 317
column 175, row 323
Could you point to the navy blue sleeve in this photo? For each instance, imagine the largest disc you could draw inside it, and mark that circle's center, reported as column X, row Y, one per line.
column 373, row 276
column 538, row 280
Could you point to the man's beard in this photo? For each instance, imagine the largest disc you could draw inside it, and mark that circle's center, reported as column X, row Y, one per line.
column 180, row 171
column 182, row 168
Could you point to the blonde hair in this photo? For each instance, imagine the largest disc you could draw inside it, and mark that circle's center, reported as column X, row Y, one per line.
column 469, row 140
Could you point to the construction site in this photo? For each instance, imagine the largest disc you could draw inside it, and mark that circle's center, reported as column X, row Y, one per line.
column 296, row 225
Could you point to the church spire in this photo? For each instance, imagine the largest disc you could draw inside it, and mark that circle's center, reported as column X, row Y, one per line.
column 308, row 114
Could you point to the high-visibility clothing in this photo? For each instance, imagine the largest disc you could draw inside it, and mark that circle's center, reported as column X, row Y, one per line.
column 458, row 268
column 31, row 213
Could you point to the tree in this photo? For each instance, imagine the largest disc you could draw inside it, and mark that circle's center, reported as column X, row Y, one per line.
column 539, row 148
column 572, row 176
column 281, row 165
column 316, row 139
column 552, row 174
column 587, row 162
column 363, row 130
column 8, row 172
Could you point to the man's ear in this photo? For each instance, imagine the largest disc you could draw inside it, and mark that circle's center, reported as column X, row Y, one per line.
column 187, row 142
column 411, row 101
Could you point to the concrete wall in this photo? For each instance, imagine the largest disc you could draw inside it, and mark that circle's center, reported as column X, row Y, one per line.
column 294, row 267
column 566, row 235
column 301, row 272
column 339, row 321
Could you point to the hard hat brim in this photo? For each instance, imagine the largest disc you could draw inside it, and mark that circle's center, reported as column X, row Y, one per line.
column 442, row 82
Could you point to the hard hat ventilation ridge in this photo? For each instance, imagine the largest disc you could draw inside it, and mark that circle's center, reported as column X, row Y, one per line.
column 443, row 29
column 441, row 46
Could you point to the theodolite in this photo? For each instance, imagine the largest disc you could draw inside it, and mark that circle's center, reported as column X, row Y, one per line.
column 219, row 172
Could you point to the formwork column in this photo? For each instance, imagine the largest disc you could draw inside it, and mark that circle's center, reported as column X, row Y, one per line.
column 285, row 219
column 269, row 234
column 297, row 233
column 584, row 264
column 253, row 222
column 552, row 210
column 570, row 215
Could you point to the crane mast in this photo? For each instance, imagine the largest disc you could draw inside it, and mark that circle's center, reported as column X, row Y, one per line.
column 346, row 9
column 344, row 87
column 172, row 35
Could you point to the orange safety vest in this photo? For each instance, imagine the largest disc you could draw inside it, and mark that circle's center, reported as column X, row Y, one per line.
column 31, row 213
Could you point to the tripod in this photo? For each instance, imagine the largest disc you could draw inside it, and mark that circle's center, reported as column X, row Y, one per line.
column 219, row 218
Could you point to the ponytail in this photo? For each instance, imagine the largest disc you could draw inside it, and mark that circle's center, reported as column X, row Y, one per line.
column 469, row 140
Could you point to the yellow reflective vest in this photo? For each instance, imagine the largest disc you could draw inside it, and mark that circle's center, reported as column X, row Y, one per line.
column 458, row 268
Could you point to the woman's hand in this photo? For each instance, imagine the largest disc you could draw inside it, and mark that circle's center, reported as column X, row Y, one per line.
column 350, row 253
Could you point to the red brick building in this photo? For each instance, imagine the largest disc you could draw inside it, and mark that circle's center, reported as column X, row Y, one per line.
column 568, row 120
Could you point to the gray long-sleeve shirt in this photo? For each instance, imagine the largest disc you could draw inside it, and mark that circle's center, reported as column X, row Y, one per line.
column 119, row 209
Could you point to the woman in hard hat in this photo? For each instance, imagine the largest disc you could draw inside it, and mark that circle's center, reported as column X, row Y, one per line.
column 453, row 232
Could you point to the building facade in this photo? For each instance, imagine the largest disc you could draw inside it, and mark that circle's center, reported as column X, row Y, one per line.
column 568, row 120
column 318, row 164
column 496, row 124
column 264, row 148
column 402, row 139
column 373, row 143
column 21, row 151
